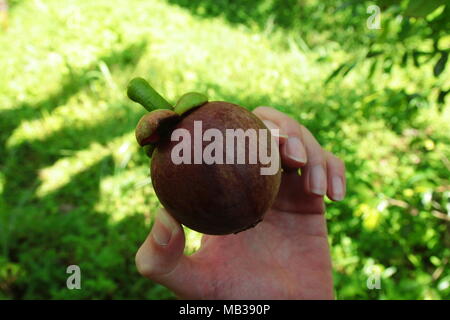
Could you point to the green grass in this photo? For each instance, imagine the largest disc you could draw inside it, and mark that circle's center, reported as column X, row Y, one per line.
column 75, row 189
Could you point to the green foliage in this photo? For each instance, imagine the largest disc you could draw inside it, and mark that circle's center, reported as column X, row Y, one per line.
column 74, row 188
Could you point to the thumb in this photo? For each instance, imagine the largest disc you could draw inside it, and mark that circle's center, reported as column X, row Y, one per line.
column 161, row 258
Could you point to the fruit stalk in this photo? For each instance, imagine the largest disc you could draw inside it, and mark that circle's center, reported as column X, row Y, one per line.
column 141, row 92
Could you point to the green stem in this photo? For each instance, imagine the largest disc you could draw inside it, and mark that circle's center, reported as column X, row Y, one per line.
column 141, row 92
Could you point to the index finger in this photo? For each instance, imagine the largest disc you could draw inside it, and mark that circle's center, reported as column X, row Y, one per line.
column 292, row 149
column 300, row 150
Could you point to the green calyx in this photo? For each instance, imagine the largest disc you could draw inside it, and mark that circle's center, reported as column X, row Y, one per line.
column 140, row 91
column 154, row 123
column 189, row 101
column 162, row 115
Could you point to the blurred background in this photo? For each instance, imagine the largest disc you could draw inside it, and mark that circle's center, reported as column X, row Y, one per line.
column 370, row 79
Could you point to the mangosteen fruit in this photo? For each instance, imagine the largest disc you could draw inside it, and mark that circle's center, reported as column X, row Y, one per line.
column 207, row 160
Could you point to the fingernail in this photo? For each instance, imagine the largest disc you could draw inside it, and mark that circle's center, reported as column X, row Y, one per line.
column 317, row 180
column 295, row 150
column 338, row 188
column 272, row 126
column 163, row 228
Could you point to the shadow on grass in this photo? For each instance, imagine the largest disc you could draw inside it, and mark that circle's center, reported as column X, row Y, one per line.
column 76, row 81
column 282, row 13
column 64, row 228
column 43, row 235
column 28, row 157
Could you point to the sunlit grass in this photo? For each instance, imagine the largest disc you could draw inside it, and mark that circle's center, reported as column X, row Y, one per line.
column 61, row 172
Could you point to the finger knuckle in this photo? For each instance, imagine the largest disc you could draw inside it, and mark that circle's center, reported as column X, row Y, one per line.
column 262, row 109
column 339, row 163
column 316, row 158
column 300, row 126
column 145, row 269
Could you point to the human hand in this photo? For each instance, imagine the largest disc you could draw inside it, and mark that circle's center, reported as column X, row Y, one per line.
column 286, row 256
